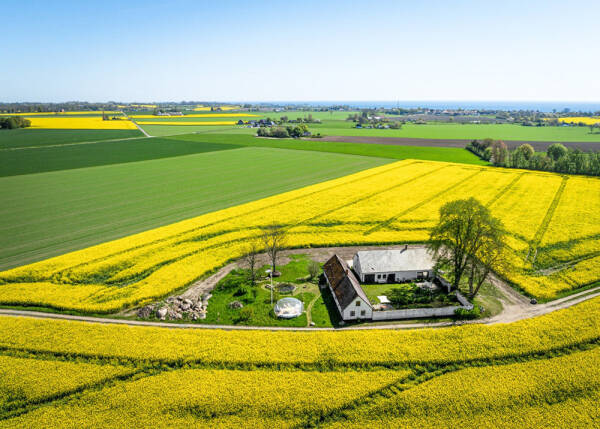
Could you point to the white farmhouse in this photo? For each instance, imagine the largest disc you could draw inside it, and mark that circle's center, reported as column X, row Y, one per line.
column 350, row 299
column 393, row 266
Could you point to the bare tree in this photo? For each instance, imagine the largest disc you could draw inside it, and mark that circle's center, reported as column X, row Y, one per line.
column 251, row 251
column 274, row 238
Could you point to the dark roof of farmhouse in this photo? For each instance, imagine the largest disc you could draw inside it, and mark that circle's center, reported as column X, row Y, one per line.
column 344, row 283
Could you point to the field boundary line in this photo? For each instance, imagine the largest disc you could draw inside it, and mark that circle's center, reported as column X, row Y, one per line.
column 73, row 144
column 388, row 221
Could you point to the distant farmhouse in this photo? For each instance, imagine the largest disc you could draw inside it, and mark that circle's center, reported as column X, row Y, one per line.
column 383, row 266
column 393, row 266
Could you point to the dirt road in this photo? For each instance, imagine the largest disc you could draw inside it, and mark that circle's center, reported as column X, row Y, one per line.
column 135, row 123
column 515, row 306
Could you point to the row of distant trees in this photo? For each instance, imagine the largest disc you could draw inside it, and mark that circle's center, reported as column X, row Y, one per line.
column 14, row 122
column 283, row 132
column 557, row 157
column 55, row 107
column 308, row 119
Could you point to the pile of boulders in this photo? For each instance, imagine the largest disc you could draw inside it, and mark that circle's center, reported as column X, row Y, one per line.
column 236, row 305
column 177, row 308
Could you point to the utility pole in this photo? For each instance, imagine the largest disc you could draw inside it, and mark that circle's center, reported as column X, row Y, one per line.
column 271, row 275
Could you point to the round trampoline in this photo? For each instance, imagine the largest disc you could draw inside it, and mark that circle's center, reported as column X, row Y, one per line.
column 288, row 308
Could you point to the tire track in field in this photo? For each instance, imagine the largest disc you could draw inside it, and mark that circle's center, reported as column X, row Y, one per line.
column 419, row 374
column 504, row 190
column 427, row 372
column 539, row 235
column 10, row 412
column 368, row 196
column 388, row 221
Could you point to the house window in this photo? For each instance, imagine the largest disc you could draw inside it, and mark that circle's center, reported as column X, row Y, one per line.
column 363, row 312
column 352, row 313
column 358, row 303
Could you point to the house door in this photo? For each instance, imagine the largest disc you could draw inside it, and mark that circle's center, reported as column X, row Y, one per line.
column 391, row 278
column 369, row 278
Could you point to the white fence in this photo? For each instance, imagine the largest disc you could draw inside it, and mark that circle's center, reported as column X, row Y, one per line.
column 464, row 301
column 416, row 313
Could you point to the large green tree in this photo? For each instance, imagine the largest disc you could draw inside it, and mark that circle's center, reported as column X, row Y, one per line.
column 468, row 241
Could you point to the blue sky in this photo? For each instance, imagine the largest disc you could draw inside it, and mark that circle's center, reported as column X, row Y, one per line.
column 302, row 50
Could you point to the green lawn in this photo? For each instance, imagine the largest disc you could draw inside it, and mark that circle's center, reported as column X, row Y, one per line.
column 51, row 213
column 374, row 290
column 257, row 299
column 296, row 270
column 417, row 298
column 466, row 131
column 242, row 137
column 43, row 159
column 25, row 137
column 258, row 309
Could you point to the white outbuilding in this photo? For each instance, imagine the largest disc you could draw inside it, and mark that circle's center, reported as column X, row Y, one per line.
column 393, row 266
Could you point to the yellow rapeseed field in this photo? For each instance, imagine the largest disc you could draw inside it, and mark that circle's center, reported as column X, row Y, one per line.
column 59, row 114
column 205, row 397
column 91, row 123
column 186, row 122
column 557, row 392
column 39, row 379
column 577, row 120
column 552, row 250
column 196, row 115
column 562, row 329
column 532, row 373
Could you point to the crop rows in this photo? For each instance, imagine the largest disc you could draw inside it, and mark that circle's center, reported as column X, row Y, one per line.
column 58, row 372
column 395, row 203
